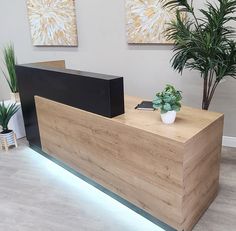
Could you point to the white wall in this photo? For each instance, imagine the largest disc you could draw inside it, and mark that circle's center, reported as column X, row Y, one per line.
column 103, row 48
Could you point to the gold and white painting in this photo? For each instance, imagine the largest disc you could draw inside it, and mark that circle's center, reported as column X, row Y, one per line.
column 53, row 22
column 147, row 21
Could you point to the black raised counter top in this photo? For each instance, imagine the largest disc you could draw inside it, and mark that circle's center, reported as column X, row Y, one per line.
column 71, row 72
column 97, row 93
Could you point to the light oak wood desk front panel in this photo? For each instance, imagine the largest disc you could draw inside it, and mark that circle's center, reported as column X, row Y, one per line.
column 170, row 172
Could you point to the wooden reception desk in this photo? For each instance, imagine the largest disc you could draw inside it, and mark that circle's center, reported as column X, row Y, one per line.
column 169, row 171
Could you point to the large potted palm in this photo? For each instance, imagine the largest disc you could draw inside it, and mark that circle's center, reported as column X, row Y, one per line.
column 10, row 73
column 7, row 136
column 204, row 43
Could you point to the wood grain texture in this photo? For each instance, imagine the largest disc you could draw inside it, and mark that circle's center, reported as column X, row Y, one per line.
column 56, row 64
column 172, row 172
column 37, row 195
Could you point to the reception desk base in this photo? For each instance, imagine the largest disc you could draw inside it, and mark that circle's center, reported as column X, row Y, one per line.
column 169, row 172
column 136, row 209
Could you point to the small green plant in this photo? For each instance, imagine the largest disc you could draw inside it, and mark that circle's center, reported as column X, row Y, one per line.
column 10, row 63
column 6, row 112
column 168, row 100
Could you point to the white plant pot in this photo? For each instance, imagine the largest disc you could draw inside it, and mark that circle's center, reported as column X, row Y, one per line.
column 168, row 117
column 7, row 137
column 16, row 123
column 15, row 97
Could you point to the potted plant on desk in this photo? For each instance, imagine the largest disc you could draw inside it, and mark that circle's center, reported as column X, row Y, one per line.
column 7, row 137
column 10, row 76
column 168, row 101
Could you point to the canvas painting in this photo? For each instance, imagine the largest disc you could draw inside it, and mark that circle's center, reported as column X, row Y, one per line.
column 147, row 21
column 53, row 22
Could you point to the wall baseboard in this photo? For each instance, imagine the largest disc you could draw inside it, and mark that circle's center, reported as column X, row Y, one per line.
column 229, row 141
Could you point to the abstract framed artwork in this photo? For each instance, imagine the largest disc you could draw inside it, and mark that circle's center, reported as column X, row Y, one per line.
column 52, row 22
column 147, row 21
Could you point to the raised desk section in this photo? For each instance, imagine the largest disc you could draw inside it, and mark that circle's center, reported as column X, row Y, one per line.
column 97, row 93
column 169, row 171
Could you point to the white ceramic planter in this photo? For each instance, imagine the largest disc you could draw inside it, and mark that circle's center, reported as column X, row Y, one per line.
column 15, row 97
column 16, row 123
column 8, row 137
column 168, row 117
column 7, row 140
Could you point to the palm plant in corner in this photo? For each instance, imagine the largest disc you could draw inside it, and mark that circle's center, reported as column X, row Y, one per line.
column 204, row 43
column 10, row 76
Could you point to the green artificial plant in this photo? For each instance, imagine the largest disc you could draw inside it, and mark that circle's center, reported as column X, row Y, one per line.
column 204, row 42
column 10, row 63
column 168, row 100
column 6, row 112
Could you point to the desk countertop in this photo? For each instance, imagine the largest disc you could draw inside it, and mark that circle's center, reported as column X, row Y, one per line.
column 189, row 121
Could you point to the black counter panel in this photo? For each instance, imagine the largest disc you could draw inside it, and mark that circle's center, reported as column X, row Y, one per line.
column 96, row 93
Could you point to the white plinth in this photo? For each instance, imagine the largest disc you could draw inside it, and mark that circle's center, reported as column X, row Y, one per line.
column 17, row 123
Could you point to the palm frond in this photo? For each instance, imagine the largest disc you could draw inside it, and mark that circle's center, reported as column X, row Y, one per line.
column 182, row 5
column 206, row 44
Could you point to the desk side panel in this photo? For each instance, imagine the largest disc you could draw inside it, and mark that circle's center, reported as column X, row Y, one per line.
column 141, row 167
column 201, row 172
